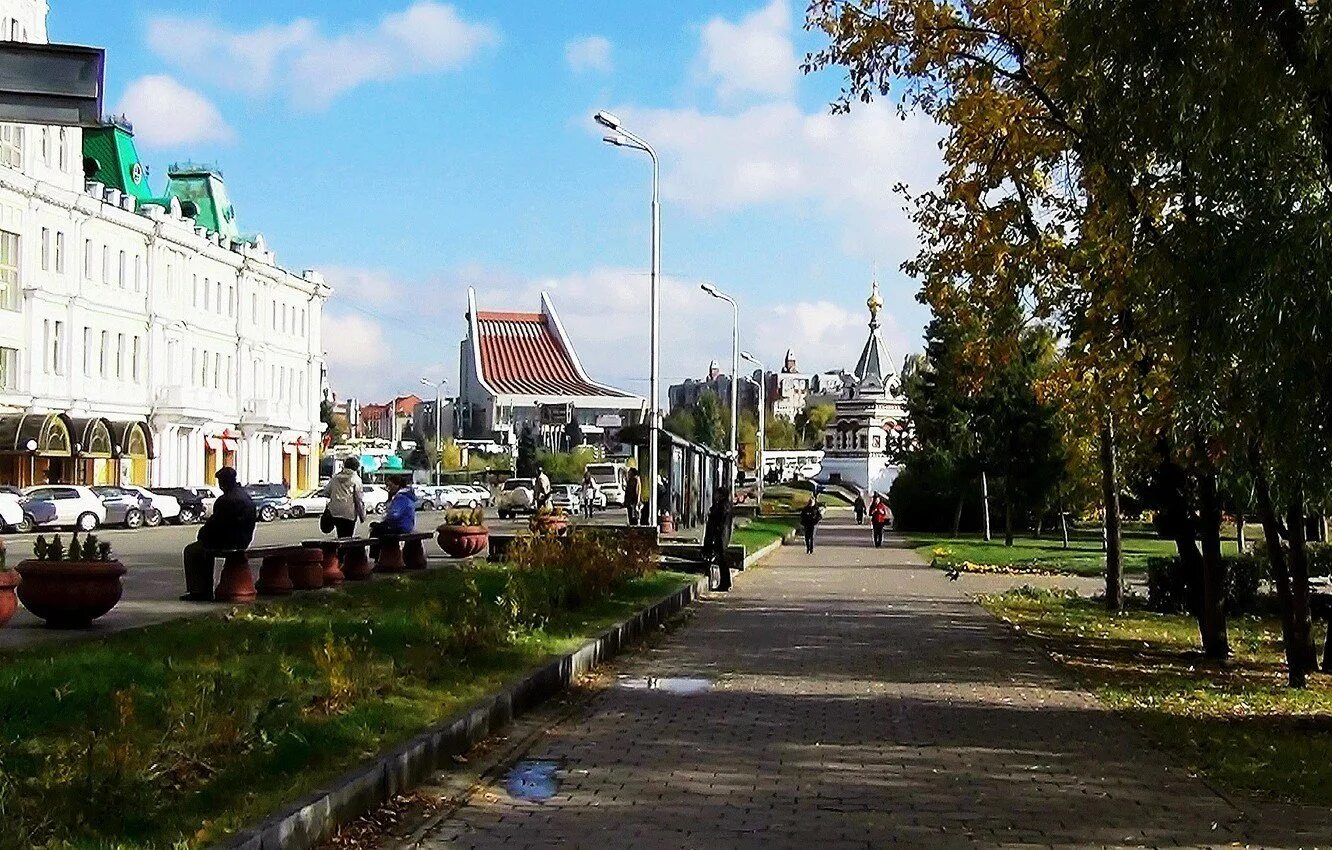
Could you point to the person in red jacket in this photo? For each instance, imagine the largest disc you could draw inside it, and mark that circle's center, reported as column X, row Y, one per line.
column 878, row 518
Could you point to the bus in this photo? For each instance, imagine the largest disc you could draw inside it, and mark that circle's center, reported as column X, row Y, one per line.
column 610, row 478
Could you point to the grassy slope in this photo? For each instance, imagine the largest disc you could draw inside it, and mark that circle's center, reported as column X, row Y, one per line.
column 185, row 731
column 1240, row 725
column 1083, row 557
column 761, row 531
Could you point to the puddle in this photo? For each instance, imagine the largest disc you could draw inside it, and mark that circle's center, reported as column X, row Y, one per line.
column 532, row 779
column 672, row 685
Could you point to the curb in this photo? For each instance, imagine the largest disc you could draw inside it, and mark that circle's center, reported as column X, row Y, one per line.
column 314, row 818
column 767, row 550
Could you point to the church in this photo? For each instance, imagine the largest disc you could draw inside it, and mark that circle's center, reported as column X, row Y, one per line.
column 871, row 419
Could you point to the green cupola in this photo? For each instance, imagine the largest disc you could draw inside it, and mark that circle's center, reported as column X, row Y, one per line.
column 110, row 158
column 200, row 188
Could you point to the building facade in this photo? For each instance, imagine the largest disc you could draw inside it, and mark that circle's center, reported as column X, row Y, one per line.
column 391, row 420
column 788, row 390
column 143, row 338
column 687, row 393
column 518, row 370
column 862, row 440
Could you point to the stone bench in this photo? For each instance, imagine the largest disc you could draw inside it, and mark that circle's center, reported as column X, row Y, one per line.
column 236, row 583
column 399, row 552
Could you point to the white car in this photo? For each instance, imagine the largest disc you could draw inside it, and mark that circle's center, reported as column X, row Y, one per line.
column 164, row 507
column 566, row 497
column 77, row 507
column 311, row 503
column 516, row 496
column 375, row 497
column 482, row 493
column 461, row 496
column 209, row 496
column 11, row 511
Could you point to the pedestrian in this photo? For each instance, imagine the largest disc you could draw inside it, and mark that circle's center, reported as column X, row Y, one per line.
column 633, row 496
column 717, row 536
column 878, row 518
column 859, row 506
column 810, row 515
column 346, row 504
column 589, row 495
column 542, row 494
column 230, row 527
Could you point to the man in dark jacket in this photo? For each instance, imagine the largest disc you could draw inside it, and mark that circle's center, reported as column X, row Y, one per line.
column 717, row 536
column 230, row 527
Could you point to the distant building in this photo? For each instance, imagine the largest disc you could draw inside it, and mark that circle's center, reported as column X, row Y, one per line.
column 391, row 420
column 788, row 390
column 870, row 419
column 687, row 393
column 425, row 419
column 515, row 367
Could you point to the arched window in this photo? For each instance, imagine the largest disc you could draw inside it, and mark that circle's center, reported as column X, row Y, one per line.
column 46, row 146
column 62, row 158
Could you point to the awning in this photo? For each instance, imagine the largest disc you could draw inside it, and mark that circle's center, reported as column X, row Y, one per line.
column 302, row 446
column 92, row 437
column 132, row 439
column 224, row 441
column 42, row 433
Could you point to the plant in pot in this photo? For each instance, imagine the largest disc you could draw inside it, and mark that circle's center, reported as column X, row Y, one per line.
column 9, row 581
column 69, row 588
column 548, row 520
column 463, row 533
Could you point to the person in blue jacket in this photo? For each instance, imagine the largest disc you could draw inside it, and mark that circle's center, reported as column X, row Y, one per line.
column 400, row 515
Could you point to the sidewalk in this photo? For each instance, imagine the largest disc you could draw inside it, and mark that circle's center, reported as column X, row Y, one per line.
column 855, row 698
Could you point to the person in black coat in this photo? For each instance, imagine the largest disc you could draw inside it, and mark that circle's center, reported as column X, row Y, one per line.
column 810, row 515
column 717, row 534
column 231, row 526
column 859, row 506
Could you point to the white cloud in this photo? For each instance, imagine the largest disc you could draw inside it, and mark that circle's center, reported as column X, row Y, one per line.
column 361, row 286
column 357, row 352
column 752, row 56
column 590, row 53
column 312, row 68
column 166, row 113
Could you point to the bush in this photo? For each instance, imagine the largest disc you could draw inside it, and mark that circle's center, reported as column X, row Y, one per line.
column 553, row 574
column 923, row 500
column 1168, row 584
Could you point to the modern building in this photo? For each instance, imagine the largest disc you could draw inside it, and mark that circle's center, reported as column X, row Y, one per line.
column 425, row 419
column 521, row 369
column 143, row 336
column 871, row 420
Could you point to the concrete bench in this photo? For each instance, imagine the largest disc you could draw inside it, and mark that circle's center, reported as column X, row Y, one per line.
column 236, row 583
column 399, row 552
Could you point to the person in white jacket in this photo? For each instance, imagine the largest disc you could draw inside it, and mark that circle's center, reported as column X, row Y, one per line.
column 346, row 505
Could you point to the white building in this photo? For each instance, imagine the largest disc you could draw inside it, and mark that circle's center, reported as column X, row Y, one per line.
column 788, row 390
column 142, row 338
column 871, row 418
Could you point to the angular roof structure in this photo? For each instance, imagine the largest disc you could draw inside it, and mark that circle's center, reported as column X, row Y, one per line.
column 528, row 354
column 874, row 368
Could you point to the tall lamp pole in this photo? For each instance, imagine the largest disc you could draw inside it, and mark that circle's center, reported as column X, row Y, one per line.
column 735, row 369
column 439, row 419
column 762, row 436
column 620, row 137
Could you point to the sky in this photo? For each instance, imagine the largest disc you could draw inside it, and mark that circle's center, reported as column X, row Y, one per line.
column 409, row 149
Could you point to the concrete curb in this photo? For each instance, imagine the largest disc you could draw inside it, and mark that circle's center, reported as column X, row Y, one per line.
column 765, row 551
column 313, row 819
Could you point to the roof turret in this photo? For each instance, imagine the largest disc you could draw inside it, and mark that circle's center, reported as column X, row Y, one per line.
column 874, row 369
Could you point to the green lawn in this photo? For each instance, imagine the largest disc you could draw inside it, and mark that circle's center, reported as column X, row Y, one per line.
column 1083, row 557
column 761, row 531
column 1239, row 724
column 174, row 735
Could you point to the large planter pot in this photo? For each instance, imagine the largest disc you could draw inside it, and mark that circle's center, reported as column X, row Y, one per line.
column 9, row 580
column 70, row 594
column 462, row 541
column 549, row 523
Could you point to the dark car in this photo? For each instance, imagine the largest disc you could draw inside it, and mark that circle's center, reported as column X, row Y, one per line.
column 36, row 513
column 191, row 503
column 270, row 501
column 124, row 507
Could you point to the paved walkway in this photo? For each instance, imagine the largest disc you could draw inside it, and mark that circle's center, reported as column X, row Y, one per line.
column 857, row 700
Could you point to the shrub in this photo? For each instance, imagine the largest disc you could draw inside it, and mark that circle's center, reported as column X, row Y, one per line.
column 1168, row 584
column 556, row 573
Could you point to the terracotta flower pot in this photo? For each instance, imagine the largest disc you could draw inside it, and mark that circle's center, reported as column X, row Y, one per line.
column 462, row 541
column 306, row 568
column 70, row 594
column 549, row 523
column 8, row 599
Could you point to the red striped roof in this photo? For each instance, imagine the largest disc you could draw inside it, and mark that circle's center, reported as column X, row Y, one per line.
column 522, row 355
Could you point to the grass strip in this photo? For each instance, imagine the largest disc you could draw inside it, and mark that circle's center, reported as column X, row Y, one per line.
column 178, row 734
column 1084, row 556
column 1237, row 724
column 760, row 531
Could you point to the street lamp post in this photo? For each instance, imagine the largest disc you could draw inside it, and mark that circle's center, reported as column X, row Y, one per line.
column 735, row 368
column 761, row 438
column 439, row 418
column 620, row 137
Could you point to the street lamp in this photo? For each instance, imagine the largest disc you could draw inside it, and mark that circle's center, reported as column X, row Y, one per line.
column 735, row 360
column 439, row 418
column 761, row 438
column 620, row 137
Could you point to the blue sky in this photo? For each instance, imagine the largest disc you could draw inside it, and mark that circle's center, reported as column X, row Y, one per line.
column 409, row 148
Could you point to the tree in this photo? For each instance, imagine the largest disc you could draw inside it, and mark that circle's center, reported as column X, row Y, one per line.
column 526, row 464
column 335, row 422
column 710, row 428
column 681, row 422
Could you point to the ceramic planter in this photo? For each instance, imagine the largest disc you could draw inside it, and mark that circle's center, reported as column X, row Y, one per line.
column 549, row 523
column 9, row 580
column 462, row 541
column 70, row 594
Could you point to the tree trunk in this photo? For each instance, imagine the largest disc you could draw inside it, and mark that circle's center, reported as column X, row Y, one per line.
column 957, row 514
column 1008, row 516
column 1063, row 524
column 985, row 504
column 1114, row 565
column 1212, row 613
column 1276, row 557
column 1040, row 519
column 1240, row 543
column 1298, row 565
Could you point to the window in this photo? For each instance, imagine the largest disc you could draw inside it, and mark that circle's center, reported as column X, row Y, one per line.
column 231, row 302
column 102, row 353
column 194, row 364
column 195, row 287
column 106, row 264
column 62, row 156
column 217, row 369
column 8, row 368
column 203, row 370
column 46, row 344
column 60, row 252
column 134, row 359
column 87, row 259
column 254, row 308
column 170, row 280
column 11, row 145
column 230, row 385
column 46, row 249
column 58, row 348
column 138, row 273
column 217, row 299
column 207, row 294
column 46, row 146
column 120, row 356
column 123, row 269
column 9, row 270
column 87, row 351
column 275, row 316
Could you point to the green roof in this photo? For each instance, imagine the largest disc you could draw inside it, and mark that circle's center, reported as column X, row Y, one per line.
column 112, row 147
column 202, row 186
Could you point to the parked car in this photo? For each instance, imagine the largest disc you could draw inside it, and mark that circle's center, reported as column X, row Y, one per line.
column 482, row 492
column 270, row 501
column 516, row 496
column 18, row 513
column 310, row 503
column 191, row 503
column 77, row 507
column 429, row 497
column 462, row 495
column 164, row 507
column 566, row 497
column 375, row 497
column 208, row 495
column 124, row 507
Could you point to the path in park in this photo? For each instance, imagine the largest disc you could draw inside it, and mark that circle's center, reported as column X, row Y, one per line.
column 857, row 700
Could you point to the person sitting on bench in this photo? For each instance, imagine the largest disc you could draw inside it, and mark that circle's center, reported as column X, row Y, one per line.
column 400, row 515
column 230, row 527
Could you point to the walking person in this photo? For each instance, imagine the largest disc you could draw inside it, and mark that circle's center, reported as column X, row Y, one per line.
column 878, row 518
column 859, row 506
column 588, row 495
column 346, row 504
column 717, row 537
column 810, row 515
column 633, row 496
column 542, row 487
column 229, row 527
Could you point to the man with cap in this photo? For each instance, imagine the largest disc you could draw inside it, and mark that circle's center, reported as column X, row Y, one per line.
column 230, row 527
